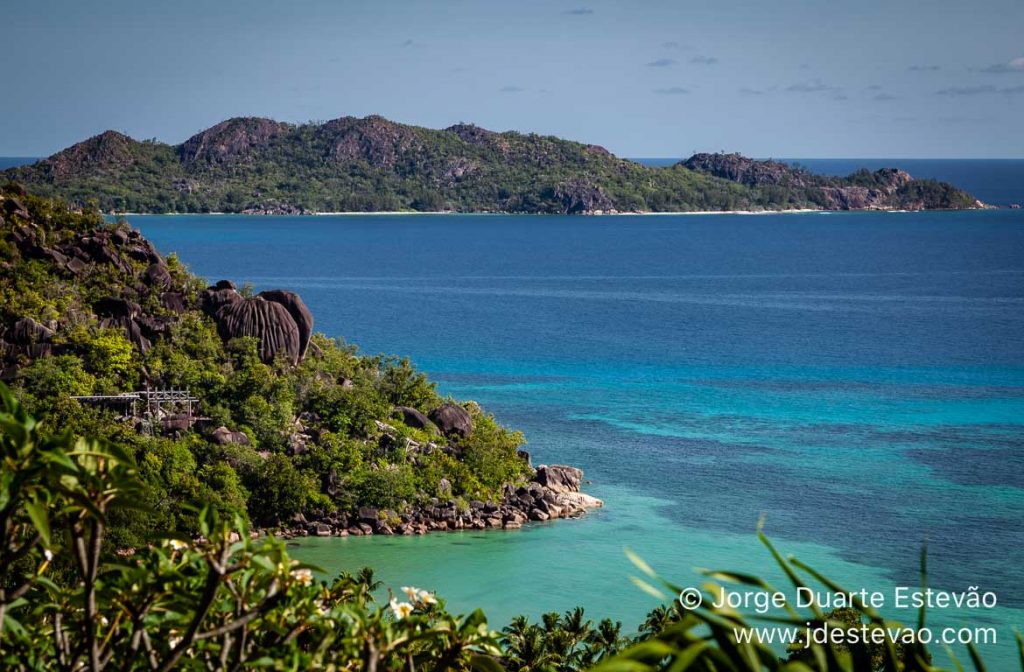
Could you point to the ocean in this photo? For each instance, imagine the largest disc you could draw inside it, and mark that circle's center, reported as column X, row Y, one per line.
column 856, row 380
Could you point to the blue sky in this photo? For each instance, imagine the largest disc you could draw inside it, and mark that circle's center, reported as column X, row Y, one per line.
column 783, row 78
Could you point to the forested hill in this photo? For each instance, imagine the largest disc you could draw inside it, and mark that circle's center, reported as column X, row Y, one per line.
column 254, row 165
column 287, row 426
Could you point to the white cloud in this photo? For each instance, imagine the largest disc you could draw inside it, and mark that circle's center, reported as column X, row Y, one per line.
column 1015, row 65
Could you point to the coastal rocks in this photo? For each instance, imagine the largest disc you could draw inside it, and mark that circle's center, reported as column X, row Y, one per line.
column 532, row 502
column 274, row 208
column 123, row 314
column 579, row 196
column 558, row 478
column 452, row 419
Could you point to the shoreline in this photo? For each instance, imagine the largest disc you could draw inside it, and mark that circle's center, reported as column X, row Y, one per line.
column 431, row 213
column 552, row 493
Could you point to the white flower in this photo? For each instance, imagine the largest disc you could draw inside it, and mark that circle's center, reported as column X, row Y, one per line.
column 401, row 609
column 411, row 592
column 178, row 545
column 303, row 576
column 426, row 598
column 48, row 554
column 174, row 641
column 103, row 621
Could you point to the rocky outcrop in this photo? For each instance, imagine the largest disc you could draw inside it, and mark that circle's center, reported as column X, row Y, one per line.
column 532, row 502
column 277, row 318
column 472, row 133
column 293, row 303
column 559, row 478
column 753, row 173
column 216, row 297
column 580, row 196
column 27, row 331
column 125, row 315
column 273, row 209
column 158, row 275
column 223, row 436
column 452, row 420
column 266, row 321
column 108, row 151
column 231, row 141
column 374, row 139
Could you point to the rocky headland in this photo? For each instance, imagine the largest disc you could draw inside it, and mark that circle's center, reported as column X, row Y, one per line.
column 552, row 493
column 228, row 396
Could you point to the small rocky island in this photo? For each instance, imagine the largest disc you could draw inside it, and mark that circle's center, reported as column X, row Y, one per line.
column 229, row 397
column 260, row 166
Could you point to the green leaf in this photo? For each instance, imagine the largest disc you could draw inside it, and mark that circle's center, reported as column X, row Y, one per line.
column 37, row 512
column 640, row 564
column 483, row 663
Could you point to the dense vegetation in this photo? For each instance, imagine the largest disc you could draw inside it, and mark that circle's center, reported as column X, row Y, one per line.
column 72, row 599
column 315, row 437
column 372, row 164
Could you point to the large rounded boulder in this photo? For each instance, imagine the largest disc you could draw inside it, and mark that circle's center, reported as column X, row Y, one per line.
column 452, row 419
column 268, row 322
column 412, row 417
column 559, row 478
column 27, row 331
column 297, row 309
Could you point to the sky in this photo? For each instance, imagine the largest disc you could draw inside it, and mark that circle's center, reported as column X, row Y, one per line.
column 647, row 78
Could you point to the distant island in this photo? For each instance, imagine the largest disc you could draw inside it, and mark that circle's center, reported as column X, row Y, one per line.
column 259, row 166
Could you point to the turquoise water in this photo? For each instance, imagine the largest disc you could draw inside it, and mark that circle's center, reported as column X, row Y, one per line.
column 856, row 378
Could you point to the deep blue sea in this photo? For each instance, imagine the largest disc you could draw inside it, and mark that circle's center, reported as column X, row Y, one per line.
column 857, row 379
